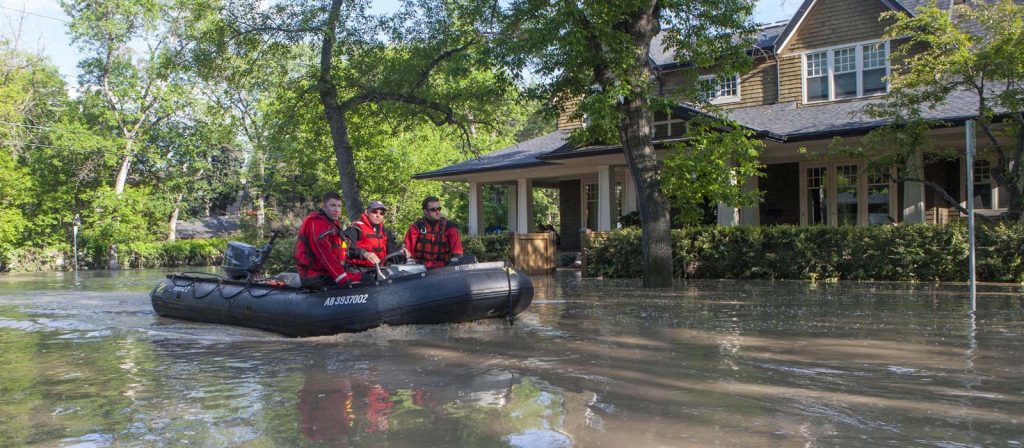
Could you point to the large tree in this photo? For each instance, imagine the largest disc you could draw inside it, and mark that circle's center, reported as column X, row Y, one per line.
column 595, row 56
column 127, row 44
column 415, row 63
column 978, row 50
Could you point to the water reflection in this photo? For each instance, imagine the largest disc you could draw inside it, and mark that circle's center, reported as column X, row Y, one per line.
column 593, row 363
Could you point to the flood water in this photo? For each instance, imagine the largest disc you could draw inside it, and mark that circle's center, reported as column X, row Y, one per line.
column 86, row 362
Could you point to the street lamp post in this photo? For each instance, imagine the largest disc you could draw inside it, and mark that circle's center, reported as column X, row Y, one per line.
column 74, row 237
column 970, row 215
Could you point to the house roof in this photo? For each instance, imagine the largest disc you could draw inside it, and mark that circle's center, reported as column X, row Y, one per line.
column 783, row 122
column 519, row 155
column 664, row 57
column 787, row 122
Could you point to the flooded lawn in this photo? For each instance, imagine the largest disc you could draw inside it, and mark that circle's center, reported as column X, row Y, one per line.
column 86, row 362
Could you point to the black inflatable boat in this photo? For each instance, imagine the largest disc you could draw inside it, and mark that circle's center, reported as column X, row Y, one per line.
column 403, row 294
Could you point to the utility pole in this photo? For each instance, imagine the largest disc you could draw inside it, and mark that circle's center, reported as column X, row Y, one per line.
column 970, row 215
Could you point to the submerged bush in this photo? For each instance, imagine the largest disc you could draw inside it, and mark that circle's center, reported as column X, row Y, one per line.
column 899, row 253
column 491, row 247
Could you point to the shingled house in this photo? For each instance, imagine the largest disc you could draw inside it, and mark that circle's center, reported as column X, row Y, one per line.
column 811, row 75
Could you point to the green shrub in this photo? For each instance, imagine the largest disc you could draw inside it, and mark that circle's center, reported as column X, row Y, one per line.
column 31, row 259
column 493, row 247
column 903, row 253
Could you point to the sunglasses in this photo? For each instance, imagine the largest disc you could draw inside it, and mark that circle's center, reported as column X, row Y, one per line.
column 434, row 209
column 379, row 211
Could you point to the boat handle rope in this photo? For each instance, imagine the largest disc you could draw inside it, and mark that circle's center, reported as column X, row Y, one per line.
column 511, row 314
column 219, row 288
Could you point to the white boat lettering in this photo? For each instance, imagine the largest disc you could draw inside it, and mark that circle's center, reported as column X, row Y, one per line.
column 346, row 300
column 181, row 289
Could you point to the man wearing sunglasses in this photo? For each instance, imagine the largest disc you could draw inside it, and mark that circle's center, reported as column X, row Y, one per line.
column 371, row 241
column 433, row 239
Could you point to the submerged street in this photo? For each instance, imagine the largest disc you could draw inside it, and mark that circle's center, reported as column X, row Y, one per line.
column 591, row 363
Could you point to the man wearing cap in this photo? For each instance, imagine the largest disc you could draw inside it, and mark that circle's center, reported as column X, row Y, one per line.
column 433, row 239
column 371, row 241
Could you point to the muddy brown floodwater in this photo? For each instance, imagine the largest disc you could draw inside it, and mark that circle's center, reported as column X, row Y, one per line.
column 84, row 361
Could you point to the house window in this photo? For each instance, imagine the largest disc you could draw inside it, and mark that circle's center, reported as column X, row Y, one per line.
column 817, row 196
column 878, row 199
column 668, row 126
column 817, row 76
column 846, row 72
column 983, row 191
column 876, row 67
column 846, row 195
column 721, row 89
column 591, row 198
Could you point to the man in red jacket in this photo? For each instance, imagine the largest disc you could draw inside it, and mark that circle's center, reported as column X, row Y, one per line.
column 320, row 248
column 433, row 239
column 371, row 241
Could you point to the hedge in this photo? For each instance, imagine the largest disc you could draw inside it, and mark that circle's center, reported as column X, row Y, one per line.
column 898, row 253
column 130, row 255
column 492, row 247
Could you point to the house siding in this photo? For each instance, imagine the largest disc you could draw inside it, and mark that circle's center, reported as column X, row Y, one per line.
column 565, row 120
column 757, row 86
column 829, row 23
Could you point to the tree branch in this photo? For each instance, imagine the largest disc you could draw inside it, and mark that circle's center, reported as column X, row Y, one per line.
column 942, row 191
column 437, row 60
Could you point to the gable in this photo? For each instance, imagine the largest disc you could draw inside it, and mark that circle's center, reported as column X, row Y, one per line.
column 826, row 23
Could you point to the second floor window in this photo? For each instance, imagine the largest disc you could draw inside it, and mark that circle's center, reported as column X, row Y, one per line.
column 668, row 126
column 721, row 89
column 846, row 72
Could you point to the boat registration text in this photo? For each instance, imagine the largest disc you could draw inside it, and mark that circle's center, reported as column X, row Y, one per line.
column 346, row 300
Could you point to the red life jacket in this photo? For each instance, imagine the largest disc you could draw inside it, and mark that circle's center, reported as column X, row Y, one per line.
column 432, row 244
column 370, row 240
column 316, row 228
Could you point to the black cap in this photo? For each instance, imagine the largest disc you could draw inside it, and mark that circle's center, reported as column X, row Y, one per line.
column 374, row 205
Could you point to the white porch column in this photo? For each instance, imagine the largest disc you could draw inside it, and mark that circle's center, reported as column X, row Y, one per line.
column 513, row 207
column 728, row 215
column 604, row 198
column 750, row 216
column 476, row 208
column 524, row 206
column 628, row 193
column 913, row 192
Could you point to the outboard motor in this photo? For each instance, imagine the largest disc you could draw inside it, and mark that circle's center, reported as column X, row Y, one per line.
column 243, row 261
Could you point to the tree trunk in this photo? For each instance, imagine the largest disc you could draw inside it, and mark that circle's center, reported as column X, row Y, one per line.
column 336, row 119
column 122, row 173
column 261, row 202
column 173, row 233
column 635, row 133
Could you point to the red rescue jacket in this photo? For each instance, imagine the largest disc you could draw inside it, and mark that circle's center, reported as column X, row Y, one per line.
column 433, row 244
column 320, row 248
column 370, row 240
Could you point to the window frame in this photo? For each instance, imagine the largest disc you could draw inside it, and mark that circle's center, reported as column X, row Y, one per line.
column 996, row 189
column 672, row 121
column 832, row 188
column 831, row 71
column 723, row 99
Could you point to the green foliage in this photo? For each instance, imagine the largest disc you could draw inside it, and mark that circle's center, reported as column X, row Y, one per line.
column 897, row 253
column 711, row 166
column 15, row 193
column 172, row 253
column 975, row 51
column 495, row 247
column 133, row 216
